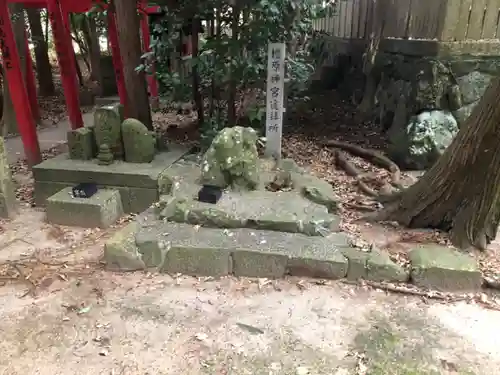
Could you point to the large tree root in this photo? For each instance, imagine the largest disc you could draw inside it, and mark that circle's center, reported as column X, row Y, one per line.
column 373, row 157
column 427, row 206
column 351, row 170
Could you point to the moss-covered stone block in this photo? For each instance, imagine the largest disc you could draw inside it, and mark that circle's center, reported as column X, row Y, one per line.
column 263, row 210
column 259, row 264
column 121, row 252
column 152, row 246
column 319, row 195
column 107, row 129
column 101, row 210
column 196, row 261
column 357, row 259
column 232, row 160
column 318, row 261
column 141, row 198
column 81, row 143
column 380, row 267
column 138, row 142
column 445, row 269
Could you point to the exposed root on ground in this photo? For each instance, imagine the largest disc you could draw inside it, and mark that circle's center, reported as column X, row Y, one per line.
column 479, row 298
column 373, row 157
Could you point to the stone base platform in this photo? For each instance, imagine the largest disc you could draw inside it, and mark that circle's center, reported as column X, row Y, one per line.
column 137, row 183
column 264, row 210
column 261, row 233
column 444, row 269
column 267, row 234
column 101, row 210
column 198, row 251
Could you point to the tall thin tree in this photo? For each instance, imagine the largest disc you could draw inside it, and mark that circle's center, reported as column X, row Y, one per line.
column 43, row 67
column 128, row 24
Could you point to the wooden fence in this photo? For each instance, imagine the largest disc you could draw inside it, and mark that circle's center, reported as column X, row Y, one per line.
column 444, row 20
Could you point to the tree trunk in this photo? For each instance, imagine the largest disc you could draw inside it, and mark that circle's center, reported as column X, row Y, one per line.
column 8, row 124
column 198, row 99
column 130, row 47
column 231, row 101
column 9, row 120
column 43, row 67
column 82, row 46
column 370, row 56
column 461, row 192
column 95, row 54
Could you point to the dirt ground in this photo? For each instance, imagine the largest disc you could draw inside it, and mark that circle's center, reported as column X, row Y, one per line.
column 60, row 313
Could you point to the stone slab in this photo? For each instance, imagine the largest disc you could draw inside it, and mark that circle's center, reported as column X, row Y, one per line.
column 134, row 200
column 357, row 263
column 101, row 210
column 380, row 267
column 184, row 172
column 81, row 143
column 263, row 210
column 141, row 198
column 151, row 246
column 141, row 175
column 121, row 252
column 246, row 252
column 442, row 268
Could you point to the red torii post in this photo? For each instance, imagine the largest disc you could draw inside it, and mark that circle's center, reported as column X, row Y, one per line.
column 24, row 95
column 17, row 88
column 58, row 11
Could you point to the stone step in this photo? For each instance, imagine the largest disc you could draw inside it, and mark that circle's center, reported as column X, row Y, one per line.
column 103, row 209
column 198, row 251
column 262, row 210
column 191, row 250
column 444, row 269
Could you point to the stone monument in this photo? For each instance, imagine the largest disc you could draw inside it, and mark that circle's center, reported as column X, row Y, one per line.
column 232, row 160
column 139, row 143
column 113, row 138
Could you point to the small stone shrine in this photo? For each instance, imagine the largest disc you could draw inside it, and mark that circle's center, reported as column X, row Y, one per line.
column 113, row 138
column 118, row 155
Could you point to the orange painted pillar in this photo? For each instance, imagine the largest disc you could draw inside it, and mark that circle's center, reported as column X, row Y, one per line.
column 65, row 53
column 20, row 99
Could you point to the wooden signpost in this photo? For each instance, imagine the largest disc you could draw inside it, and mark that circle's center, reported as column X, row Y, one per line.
column 275, row 99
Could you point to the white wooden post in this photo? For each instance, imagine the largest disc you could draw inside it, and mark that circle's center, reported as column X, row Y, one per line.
column 275, row 99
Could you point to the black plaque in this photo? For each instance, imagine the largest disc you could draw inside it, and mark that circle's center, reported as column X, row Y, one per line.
column 209, row 194
column 84, row 190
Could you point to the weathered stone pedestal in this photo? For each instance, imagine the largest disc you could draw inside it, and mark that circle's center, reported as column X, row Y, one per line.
column 136, row 182
column 101, row 210
column 258, row 233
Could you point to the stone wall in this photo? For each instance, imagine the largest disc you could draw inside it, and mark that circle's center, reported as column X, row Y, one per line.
column 452, row 83
column 443, row 81
column 341, row 66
